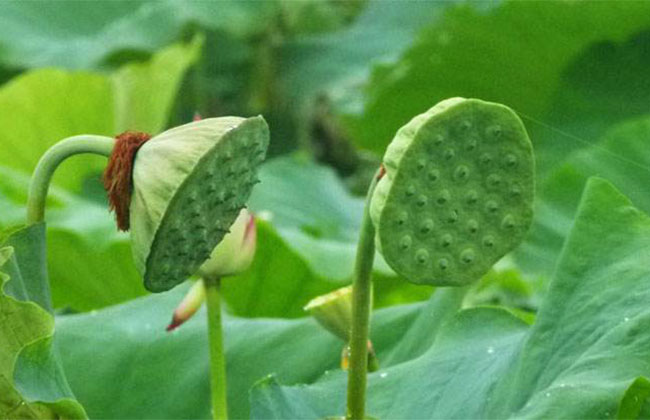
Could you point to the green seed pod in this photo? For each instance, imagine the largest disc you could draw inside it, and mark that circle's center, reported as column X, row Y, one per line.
column 189, row 185
column 457, row 194
column 333, row 311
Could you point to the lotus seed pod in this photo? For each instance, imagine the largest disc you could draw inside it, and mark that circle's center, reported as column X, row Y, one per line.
column 189, row 185
column 457, row 193
column 235, row 252
column 333, row 311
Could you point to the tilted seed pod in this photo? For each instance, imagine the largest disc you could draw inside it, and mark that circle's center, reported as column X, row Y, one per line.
column 189, row 185
column 457, row 193
column 333, row 311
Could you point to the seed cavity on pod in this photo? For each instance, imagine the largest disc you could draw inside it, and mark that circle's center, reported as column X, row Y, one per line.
column 508, row 222
column 471, row 197
column 468, row 256
column 410, row 190
column 495, row 131
column 438, row 139
column 452, row 217
column 443, row 264
column 192, row 196
column 471, row 145
column 443, row 197
column 491, row 206
column 420, row 164
column 515, row 191
column 510, row 160
column 465, row 125
column 182, row 252
column 449, row 154
column 461, row 173
column 488, row 241
column 426, row 226
column 472, row 226
column 405, row 242
column 422, row 200
column 446, row 240
column 195, row 211
column 402, row 218
column 485, row 159
column 422, row 256
column 166, row 267
column 493, row 181
column 433, row 174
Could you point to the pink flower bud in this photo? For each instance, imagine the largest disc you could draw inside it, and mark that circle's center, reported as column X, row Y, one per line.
column 235, row 252
column 188, row 306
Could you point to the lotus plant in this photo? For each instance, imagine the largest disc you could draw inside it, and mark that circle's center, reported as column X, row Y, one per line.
column 454, row 194
column 178, row 193
column 232, row 256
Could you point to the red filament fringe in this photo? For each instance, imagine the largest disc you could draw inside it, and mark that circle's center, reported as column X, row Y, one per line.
column 118, row 176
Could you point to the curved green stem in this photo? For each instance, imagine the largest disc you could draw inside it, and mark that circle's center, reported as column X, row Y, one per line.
column 51, row 160
column 217, row 354
column 361, row 297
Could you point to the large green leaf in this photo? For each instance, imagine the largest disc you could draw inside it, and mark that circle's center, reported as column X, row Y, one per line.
column 620, row 156
column 596, row 92
column 89, row 262
column 489, row 55
column 82, row 35
column 32, row 383
column 144, row 372
column 636, row 401
column 451, row 383
column 314, row 214
column 589, row 342
column 41, row 107
column 594, row 132
column 316, row 16
column 339, row 62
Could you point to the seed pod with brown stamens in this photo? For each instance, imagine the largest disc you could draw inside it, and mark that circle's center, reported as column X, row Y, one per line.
column 188, row 185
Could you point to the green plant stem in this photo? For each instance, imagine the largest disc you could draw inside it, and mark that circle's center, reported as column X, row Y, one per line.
column 361, row 297
column 51, row 160
column 217, row 354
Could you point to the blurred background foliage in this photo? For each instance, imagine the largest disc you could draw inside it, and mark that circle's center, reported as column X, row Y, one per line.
column 335, row 80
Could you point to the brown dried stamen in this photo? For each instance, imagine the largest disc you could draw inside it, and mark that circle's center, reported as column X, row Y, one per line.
column 118, row 174
column 382, row 172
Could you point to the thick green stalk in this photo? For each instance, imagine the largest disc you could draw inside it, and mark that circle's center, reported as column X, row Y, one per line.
column 217, row 354
column 51, row 160
column 361, row 298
